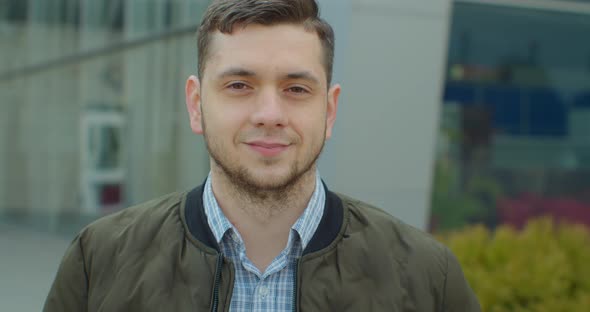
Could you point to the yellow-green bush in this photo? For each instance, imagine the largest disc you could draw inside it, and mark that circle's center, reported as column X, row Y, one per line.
column 544, row 267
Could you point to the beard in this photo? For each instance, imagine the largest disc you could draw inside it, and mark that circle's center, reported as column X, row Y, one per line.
column 256, row 188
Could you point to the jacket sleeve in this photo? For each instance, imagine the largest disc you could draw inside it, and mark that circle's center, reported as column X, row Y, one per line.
column 69, row 291
column 458, row 295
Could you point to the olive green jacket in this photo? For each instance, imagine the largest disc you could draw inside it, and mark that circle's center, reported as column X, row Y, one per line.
column 162, row 256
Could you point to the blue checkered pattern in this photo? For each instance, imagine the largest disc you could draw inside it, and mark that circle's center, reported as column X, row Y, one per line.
column 271, row 290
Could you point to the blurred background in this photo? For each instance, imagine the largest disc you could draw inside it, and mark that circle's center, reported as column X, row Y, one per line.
column 453, row 114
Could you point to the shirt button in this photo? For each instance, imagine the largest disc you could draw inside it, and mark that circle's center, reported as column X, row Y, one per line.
column 263, row 291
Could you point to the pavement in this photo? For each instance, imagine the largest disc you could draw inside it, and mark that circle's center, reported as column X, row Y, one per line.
column 29, row 259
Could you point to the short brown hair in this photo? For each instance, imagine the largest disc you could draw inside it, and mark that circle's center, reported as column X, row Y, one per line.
column 223, row 15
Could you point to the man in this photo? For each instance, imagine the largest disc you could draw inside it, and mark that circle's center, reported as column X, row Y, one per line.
column 263, row 233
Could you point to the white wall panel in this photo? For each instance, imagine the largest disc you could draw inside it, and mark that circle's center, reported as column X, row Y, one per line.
column 383, row 147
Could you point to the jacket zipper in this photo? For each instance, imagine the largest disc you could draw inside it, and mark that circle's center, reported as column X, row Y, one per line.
column 216, row 285
column 295, row 269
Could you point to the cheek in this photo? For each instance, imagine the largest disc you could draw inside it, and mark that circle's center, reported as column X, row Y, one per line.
column 224, row 121
column 312, row 128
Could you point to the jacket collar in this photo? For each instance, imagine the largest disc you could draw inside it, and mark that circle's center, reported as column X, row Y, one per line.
column 327, row 231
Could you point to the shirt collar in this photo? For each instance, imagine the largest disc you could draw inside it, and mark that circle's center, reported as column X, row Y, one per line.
column 218, row 223
column 306, row 225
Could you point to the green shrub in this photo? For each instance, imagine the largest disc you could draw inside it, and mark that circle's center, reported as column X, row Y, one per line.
column 544, row 267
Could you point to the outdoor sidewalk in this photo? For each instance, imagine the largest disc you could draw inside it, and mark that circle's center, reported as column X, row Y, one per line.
column 28, row 263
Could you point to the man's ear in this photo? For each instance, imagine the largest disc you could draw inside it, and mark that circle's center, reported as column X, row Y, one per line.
column 333, row 95
column 193, row 103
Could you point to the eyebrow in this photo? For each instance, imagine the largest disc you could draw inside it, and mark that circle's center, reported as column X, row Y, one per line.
column 236, row 71
column 241, row 72
column 305, row 75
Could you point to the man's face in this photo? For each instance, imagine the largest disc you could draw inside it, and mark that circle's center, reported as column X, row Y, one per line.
column 263, row 104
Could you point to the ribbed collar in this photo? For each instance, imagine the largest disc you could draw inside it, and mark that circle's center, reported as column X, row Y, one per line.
column 332, row 223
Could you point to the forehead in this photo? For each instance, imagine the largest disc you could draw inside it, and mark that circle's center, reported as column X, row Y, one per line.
column 277, row 48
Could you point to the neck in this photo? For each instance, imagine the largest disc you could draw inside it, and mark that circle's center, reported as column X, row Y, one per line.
column 263, row 208
column 264, row 220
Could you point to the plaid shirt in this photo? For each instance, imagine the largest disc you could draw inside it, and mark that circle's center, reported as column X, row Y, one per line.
column 271, row 290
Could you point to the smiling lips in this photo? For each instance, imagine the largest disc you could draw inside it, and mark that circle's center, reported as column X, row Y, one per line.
column 268, row 149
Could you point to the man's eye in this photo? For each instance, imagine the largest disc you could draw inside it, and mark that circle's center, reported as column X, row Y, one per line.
column 237, row 86
column 297, row 90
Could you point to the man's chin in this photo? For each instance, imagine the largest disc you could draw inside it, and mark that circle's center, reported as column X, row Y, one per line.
column 257, row 178
column 271, row 181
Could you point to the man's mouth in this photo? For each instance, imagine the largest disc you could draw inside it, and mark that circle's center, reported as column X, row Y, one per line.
column 268, row 148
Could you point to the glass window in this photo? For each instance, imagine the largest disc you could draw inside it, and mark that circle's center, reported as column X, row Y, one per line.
column 514, row 140
column 102, row 129
column 15, row 10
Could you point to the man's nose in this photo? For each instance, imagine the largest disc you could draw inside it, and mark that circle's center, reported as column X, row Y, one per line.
column 270, row 110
